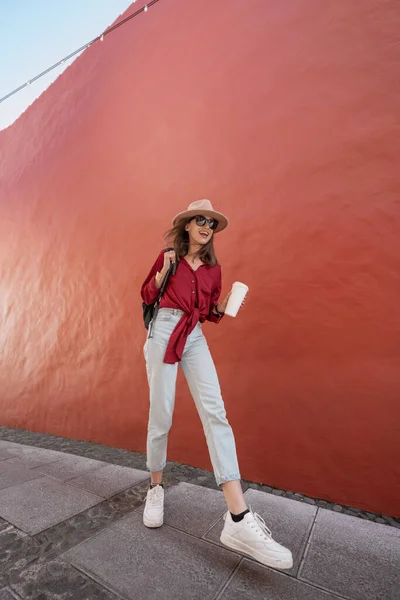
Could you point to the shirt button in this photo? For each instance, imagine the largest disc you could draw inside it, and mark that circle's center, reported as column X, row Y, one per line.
column 193, row 281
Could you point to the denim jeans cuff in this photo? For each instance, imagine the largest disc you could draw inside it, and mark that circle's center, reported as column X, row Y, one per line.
column 220, row 479
column 157, row 468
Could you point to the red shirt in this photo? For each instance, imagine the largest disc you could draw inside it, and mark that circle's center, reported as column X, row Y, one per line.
column 194, row 292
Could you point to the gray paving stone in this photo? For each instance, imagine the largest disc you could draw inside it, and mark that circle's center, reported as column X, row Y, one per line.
column 5, row 448
column 11, row 475
column 32, row 457
column 108, row 480
column 20, row 554
column 6, row 594
column 3, row 525
column 36, row 505
column 174, row 472
column 69, row 466
column 289, row 520
column 14, row 546
column 252, row 581
column 6, row 444
column 57, row 580
column 10, row 536
column 4, row 454
column 192, row 508
column 352, row 557
column 141, row 563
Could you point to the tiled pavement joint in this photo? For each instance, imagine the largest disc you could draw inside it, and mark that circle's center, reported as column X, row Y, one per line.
column 72, row 529
column 174, row 472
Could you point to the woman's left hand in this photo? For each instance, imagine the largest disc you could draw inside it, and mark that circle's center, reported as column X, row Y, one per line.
column 221, row 307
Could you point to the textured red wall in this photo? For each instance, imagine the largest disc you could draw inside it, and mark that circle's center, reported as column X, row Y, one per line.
column 286, row 115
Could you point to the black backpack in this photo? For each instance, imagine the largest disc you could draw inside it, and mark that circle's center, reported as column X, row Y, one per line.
column 150, row 311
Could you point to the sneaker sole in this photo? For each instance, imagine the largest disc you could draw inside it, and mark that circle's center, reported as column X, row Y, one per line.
column 152, row 524
column 258, row 556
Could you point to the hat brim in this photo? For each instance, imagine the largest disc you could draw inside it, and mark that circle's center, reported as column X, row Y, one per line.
column 188, row 214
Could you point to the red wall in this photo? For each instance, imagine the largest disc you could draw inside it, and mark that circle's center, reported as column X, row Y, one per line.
column 286, row 115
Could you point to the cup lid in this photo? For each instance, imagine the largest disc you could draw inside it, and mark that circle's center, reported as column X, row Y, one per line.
column 240, row 284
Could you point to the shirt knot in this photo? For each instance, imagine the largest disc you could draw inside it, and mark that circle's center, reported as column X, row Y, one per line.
column 184, row 328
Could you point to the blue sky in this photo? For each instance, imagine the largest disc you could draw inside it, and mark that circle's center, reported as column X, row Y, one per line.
column 35, row 34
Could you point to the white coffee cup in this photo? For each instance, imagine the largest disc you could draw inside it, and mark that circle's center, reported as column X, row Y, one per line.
column 239, row 291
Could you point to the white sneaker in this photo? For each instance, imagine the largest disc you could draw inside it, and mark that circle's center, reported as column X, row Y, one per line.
column 153, row 515
column 251, row 536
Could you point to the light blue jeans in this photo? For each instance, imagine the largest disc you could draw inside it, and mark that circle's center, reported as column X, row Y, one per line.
column 198, row 367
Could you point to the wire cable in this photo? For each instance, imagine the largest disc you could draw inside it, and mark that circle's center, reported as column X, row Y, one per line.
column 63, row 60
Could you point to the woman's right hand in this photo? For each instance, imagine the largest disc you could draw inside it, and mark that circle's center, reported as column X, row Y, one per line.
column 169, row 257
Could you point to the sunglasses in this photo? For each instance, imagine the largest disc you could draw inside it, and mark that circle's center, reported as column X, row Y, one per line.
column 201, row 221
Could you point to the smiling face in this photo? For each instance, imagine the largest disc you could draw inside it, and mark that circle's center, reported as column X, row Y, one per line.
column 194, row 238
column 199, row 235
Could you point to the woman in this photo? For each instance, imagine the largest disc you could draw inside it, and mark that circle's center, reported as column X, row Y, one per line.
column 191, row 297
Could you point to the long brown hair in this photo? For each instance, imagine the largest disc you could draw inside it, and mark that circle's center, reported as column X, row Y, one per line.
column 178, row 237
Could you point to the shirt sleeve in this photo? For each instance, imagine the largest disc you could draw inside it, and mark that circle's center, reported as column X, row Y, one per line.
column 149, row 291
column 215, row 294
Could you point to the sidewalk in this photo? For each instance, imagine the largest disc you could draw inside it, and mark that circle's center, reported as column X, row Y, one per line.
column 71, row 528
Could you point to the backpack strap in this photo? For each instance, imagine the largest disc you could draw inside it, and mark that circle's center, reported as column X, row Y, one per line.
column 162, row 290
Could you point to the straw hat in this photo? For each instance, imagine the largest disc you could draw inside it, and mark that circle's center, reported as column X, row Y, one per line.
column 203, row 208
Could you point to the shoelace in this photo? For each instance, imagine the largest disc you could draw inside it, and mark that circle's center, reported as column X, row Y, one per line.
column 156, row 495
column 265, row 532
